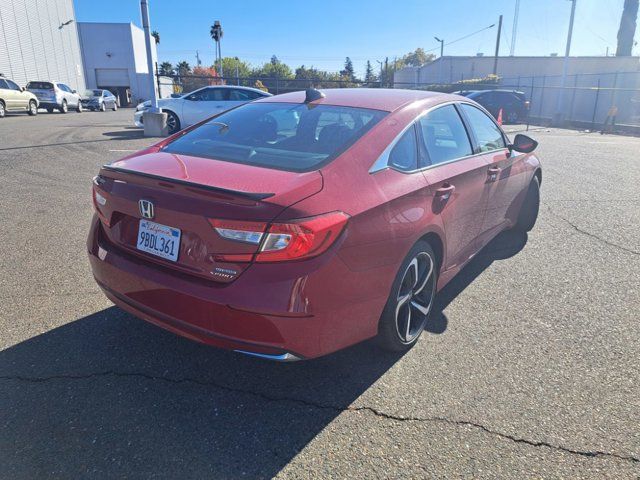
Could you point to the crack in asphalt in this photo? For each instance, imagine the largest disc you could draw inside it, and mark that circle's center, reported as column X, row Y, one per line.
column 336, row 408
column 589, row 234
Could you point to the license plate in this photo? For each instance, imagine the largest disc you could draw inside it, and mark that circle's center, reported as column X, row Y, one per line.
column 159, row 240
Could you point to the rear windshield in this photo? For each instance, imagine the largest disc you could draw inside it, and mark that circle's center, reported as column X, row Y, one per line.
column 39, row 86
column 294, row 137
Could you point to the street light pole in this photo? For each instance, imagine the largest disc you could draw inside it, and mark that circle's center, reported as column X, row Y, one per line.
column 144, row 8
column 559, row 116
column 441, row 59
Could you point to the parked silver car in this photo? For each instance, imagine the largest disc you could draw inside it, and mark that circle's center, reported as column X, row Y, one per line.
column 99, row 100
column 55, row 96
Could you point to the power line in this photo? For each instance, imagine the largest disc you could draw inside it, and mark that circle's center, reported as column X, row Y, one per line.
column 462, row 38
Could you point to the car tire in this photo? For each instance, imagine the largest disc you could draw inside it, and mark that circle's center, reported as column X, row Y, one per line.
column 64, row 108
column 103, row 107
column 530, row 207
column 33, row 108
column 79, row 108
column 3, row 111
column 115, row 107
column 173, row 122
column 512, row 117
column 410, row 301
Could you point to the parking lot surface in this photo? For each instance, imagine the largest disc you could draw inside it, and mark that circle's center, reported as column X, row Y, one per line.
column 530, row 368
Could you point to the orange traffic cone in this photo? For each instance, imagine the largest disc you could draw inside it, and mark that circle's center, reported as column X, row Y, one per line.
column 500, row 117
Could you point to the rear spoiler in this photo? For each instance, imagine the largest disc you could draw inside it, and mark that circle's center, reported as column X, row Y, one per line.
column 248, row 195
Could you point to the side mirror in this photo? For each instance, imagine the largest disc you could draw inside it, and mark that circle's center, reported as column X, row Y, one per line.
column 22, row 89
column 175, row 95
column 73, row 91
column 523, row 144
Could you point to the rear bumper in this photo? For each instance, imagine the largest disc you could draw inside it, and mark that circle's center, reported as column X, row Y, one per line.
column 271, row 311
column 49, row 105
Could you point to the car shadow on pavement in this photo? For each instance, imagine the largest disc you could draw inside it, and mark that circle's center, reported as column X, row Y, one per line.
column 110, row 396
column 505, row 245
column 129, row 133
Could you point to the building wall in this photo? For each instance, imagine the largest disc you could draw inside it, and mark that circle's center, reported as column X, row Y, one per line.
column 33, row 47
column 453, row 69
column 116, row 46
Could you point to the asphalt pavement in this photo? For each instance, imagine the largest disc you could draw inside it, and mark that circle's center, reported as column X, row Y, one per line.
column 530, row 369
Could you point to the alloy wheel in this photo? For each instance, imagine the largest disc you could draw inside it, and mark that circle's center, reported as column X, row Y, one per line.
column 415, row 297
column 2, row 112
column 172, row 123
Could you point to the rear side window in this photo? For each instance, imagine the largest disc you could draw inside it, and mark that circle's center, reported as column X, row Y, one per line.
column 39, row 86
column 12, row 85
column 487, row 134
column 210, row 95
column 404, row 155
column 285, row 136
column 3, row 84
column 444, row 136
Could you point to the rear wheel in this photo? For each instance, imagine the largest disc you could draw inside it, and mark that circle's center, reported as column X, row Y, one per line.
column 410, row 301
column 173, row 122
column 33, row 108
column 3, row 112
column 64, row 108
column 530, row 207
column 79, row 107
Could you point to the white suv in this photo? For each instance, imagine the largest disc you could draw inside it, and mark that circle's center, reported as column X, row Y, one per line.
column 55, row 95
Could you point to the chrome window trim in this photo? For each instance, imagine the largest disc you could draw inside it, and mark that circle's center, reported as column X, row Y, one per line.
column 382, row 162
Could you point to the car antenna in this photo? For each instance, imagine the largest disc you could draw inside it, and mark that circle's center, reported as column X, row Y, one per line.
column 313, row 94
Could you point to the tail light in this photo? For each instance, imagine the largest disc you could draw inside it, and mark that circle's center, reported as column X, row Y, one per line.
column 527, row 104
column 294, row 240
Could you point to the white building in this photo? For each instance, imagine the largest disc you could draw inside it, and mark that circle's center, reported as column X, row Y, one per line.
column 115, row 59
column 453, row 69
column 39, row 41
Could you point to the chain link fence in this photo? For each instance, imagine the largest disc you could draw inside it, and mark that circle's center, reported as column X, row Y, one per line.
column 584, row 101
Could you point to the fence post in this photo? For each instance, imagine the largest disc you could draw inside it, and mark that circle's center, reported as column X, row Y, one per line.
column 573, row 97
column 277, row 85
column 544, row 82
column 158, row 80
column 530, row 101
column 595, row 107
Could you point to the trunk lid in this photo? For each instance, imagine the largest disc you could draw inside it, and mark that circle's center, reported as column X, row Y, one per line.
column 185, row 192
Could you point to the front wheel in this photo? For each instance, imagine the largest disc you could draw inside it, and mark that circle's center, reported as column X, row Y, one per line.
column 410, row 301
column 33, row 108
column 103, row 107
column 115, row 107
column 3, row 112
column 64, row 108
column 173, row 122
column 79, row 108
column 530, row 207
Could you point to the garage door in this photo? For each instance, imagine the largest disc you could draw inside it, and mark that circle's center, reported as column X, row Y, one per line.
column 112, row 77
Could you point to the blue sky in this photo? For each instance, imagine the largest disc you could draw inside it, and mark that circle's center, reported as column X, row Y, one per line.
column 323, row 33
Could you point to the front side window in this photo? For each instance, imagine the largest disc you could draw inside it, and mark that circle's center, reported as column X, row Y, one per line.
column 238, row 95
column 487, row 134
column 404, row 155
column 209, row 95
column 12, row 85
column 444, row 137
column 285, row 136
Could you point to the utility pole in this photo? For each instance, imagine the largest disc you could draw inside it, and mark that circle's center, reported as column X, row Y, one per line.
column 198, row 62
column 514, row 32
column 441, row 58
column 144, row 8
column 380, row 79
column 559, row 116
column 495, row 58
column 154, row 120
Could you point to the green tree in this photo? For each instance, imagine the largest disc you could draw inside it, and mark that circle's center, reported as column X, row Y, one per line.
column 183, row 68
column 274, row 68
column 369, row 76
column 417, row 58
column 348, row 73
column 156, row 36
column 232, row 64
column 166, row 68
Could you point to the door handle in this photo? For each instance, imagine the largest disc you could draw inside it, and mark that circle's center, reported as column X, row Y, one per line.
column 493, row 173
column 445, row 191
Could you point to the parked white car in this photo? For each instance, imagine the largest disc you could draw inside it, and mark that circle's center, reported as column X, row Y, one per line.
column 185, row 110
column 55, row 95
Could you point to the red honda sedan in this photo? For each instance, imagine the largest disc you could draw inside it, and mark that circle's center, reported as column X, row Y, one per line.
column 303, row 223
